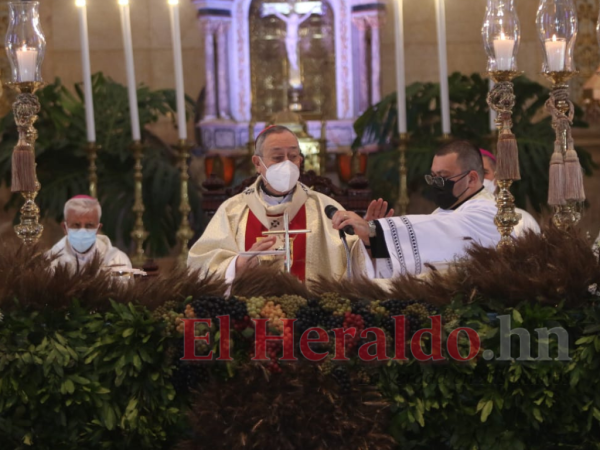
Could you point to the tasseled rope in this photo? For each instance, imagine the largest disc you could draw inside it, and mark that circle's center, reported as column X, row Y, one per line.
column 23, row 178
column 23, row 169
column 566, row 177
column 502, row 99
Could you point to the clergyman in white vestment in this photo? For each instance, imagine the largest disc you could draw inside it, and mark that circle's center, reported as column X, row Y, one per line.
column 465, row 215
column 82, row 242
column 527, row 221
column 238, row 225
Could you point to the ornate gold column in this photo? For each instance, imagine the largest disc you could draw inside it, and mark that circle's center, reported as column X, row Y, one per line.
column 184, row 234
column 403, row 198
column 502, row 100
column 138, row 234
column 566, row 183
column 24, row 178
column 92, row 152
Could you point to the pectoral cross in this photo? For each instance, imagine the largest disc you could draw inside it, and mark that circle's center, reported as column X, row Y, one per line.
column 286, row 232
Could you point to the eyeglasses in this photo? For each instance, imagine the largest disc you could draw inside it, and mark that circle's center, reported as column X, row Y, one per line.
column 440, row 181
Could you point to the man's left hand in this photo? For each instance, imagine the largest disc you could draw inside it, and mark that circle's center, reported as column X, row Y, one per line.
column 342, row 219
column 377, row 210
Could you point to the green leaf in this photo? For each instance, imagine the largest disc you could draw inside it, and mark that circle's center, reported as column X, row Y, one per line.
column 79, row 379
column 487, row 410
column 92, row 357
column 110, row 419
column 538, row 415
column 69, row 386
column 128, row 332
column 27, row 439
column 137, row 362
column 517, row 316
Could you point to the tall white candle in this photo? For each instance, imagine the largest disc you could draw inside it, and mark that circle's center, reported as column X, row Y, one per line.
column 493, row 113
column 503, row 49
column 131, row 85
column 400, row 72
column 443, row 62
column 178, row 63
column 555, row 49
column 87, row 72
column 27, row 62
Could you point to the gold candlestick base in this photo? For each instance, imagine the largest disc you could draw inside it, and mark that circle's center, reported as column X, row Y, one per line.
column 92, row 152
column 185, row 233
column 560, row 77
column 445, row 138
column 507, row 218
column 403, row 201
column 566, row 216
column 502, row 76
column 30, row 229
column 138, row 234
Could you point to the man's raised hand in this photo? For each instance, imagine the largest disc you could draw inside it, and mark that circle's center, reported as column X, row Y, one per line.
column 377, row 210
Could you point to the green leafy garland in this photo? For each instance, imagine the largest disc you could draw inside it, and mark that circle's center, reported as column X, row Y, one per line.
column 115, row 379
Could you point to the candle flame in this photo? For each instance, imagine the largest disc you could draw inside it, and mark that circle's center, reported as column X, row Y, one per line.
column 553, row 38
column 123, row 2
column 173, row 2
column 80, row 3
column 502, row 36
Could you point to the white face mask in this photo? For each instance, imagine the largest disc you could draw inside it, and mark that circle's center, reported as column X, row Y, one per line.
column 490, row 186
column 282, row 176
column 81, row 239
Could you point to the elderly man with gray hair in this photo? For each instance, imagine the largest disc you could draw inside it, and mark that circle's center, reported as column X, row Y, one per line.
column 234, row 241
column 82, row 242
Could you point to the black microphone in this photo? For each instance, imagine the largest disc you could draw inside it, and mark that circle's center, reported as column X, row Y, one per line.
column 330, row 210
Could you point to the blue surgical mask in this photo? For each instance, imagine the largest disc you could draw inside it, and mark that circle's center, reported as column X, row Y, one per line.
column 81, row 240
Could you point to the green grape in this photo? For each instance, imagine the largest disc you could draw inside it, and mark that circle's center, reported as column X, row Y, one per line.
column 290, row 304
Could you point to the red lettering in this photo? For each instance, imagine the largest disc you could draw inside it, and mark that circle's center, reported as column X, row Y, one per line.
column 224, row 339
column 189, row 339
column 474, row 344
column 340, row 342
column 379, row 343
column 261, row 338
column 436, row 341
column 305, row 342
column 400, row 338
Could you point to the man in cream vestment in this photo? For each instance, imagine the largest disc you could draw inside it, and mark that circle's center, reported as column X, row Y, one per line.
column 82, row 243
column 410, row 244
column 238, row 224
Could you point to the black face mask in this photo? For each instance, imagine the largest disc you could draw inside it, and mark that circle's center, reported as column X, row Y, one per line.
column 444, row 197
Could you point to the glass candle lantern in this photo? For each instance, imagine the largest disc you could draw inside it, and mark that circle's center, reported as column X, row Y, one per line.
column 501, row 35
column 25, row 42
column 557, row 29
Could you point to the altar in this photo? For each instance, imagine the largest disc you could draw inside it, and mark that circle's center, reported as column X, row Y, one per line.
column 320, row 59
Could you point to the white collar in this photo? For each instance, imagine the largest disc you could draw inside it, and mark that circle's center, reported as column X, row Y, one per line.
column 274, row 201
